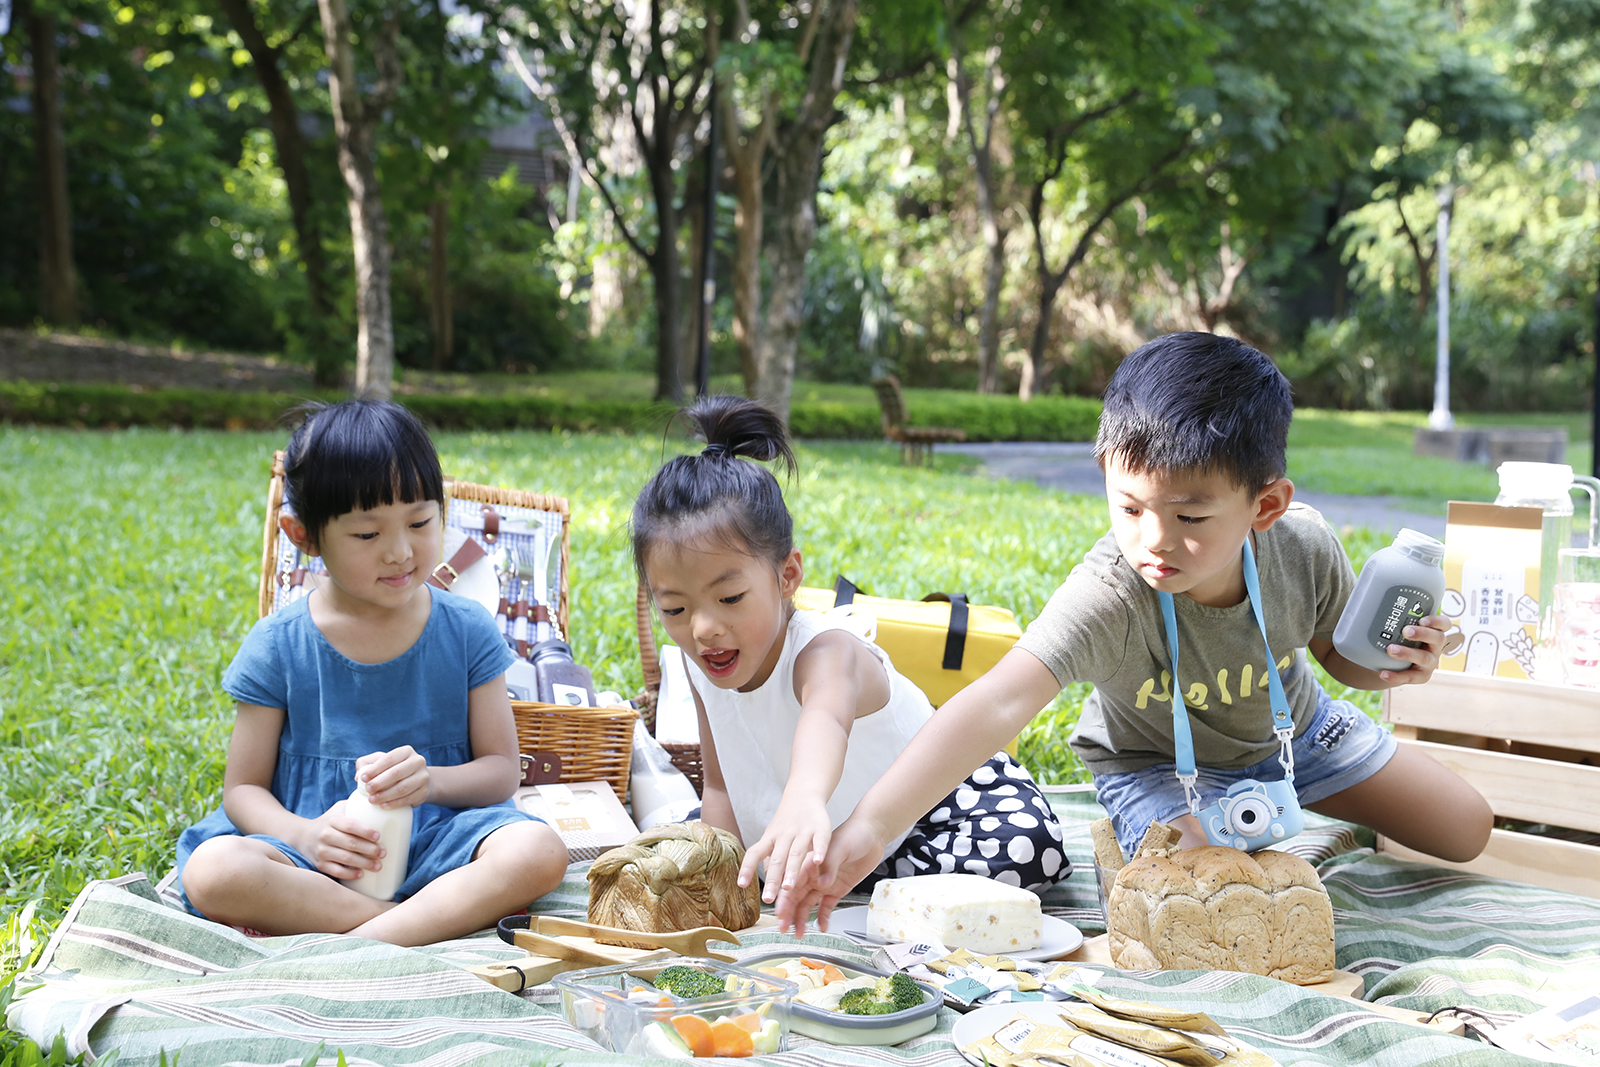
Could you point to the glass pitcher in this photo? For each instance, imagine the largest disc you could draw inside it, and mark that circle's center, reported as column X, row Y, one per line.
column 1550, row 486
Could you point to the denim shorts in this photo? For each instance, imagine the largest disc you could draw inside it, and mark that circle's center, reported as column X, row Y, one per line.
column 1339, row 747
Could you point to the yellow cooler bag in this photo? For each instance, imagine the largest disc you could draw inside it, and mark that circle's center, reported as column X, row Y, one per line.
column 940, row 642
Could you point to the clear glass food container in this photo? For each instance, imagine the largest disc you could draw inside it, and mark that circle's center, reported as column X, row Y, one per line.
column 750, row 1018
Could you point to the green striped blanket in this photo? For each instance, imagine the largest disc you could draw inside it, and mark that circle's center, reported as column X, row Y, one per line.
column 128, row 971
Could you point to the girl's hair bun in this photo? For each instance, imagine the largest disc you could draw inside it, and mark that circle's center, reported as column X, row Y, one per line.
column 741, row 427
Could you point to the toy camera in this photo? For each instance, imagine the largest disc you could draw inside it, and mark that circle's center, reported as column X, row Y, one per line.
column 1253, row 815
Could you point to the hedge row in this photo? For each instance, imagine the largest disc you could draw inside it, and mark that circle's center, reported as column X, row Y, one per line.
column 984, row 418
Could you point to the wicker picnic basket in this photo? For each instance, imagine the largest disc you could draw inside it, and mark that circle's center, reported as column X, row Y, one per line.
column 594, row 744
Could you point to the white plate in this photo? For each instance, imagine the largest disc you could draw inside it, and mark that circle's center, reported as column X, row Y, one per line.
column 1060, row 936
column 979, row 1023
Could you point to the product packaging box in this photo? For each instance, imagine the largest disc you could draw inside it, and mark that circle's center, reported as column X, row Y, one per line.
column 587, row 815
column 1491, row 577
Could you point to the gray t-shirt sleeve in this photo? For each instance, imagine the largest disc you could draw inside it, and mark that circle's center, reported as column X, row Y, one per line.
column 1084, row 631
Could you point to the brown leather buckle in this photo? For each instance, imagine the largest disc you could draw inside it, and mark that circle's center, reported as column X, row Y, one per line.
column 540, row 768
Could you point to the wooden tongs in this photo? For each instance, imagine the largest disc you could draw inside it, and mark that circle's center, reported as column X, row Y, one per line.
column 540, row 935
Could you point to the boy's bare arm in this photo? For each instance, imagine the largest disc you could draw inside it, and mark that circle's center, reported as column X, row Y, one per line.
column 1424, row 661
column 971, row 726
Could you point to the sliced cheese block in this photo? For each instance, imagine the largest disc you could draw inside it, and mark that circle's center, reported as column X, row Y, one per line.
column 960, row 910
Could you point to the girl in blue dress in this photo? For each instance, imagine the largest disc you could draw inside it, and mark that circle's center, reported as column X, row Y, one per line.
column 376, row 677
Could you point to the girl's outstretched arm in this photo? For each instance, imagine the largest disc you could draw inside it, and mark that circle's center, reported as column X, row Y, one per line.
column 969, row 728
column 339, row 847
column 837, row 679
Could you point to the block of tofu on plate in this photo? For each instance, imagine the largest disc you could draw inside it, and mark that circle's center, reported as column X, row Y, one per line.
column 959, row 910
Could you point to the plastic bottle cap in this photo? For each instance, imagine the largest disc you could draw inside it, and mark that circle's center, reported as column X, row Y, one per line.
column 1535, row 481
column 1420, row 547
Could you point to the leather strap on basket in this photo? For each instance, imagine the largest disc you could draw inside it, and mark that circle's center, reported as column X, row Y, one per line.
column 955, row 638
column 540, row 768
column 470, row 552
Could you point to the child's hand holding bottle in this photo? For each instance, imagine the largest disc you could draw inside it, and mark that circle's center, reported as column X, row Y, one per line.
column 399, row 776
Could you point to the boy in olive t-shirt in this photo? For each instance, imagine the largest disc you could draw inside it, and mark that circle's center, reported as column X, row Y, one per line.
column 1192, row 440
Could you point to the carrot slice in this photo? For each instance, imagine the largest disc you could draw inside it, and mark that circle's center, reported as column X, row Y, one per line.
column 696, row 1033
column 749, row 1020
column 815, row 965
column 830, row 973
column 730, row 1039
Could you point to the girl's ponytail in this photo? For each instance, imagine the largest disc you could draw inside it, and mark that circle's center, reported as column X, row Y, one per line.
column 709, row 494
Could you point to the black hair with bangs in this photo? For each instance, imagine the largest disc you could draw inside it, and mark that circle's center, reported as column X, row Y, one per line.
column 712, row 494
column 357, row 454
column 1198, row 402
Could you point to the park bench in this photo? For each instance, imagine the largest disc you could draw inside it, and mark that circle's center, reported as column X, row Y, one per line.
column 916, row 442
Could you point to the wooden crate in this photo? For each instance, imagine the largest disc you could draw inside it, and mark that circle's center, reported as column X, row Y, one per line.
column 1531, row 749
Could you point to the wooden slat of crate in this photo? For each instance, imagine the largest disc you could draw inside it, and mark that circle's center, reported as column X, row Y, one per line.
column 1511, row 708
column 1516, row 857
column 1468, row 722
column 1526, row 788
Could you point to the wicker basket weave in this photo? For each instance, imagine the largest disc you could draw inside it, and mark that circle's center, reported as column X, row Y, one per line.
column 595, row 744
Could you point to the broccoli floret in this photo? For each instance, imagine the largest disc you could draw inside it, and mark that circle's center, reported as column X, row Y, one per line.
column 884, row 997
column 904, row 992
column 689, row 982
column 864, row 1001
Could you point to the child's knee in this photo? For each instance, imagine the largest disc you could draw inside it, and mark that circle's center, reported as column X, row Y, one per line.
column 211, row 875
column 531, row 854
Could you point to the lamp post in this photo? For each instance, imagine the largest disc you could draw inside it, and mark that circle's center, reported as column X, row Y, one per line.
column 1440, row 418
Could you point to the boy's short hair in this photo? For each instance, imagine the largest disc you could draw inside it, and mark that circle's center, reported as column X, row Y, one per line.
column 1198, row 402
column 357, row 454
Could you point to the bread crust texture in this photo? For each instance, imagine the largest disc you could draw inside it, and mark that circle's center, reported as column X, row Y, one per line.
column 1220, row 909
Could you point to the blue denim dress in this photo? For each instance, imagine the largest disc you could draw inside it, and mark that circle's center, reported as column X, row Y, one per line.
column 338, row 710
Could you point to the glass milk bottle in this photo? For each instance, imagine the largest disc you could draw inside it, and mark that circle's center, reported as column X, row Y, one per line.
column 394, row 837
column 1548, row 486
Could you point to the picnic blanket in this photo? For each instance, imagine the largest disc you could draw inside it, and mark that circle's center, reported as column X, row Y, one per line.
column 128, row 971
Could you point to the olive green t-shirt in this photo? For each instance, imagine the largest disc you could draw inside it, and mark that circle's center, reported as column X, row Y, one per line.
column 1103, row 625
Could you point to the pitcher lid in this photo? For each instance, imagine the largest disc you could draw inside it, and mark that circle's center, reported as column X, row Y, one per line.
column 1535, row 480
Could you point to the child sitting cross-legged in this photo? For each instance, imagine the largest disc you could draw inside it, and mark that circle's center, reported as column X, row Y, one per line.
column 799, row 713
column 1192, row 440
column 373, row 676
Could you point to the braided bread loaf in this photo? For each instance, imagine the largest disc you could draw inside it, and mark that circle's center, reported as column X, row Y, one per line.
column 677, row 876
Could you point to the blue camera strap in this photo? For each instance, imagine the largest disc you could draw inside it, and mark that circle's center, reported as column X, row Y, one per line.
column 1182, row 739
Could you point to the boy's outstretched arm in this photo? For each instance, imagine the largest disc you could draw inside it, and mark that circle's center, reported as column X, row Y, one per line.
column 971, row 726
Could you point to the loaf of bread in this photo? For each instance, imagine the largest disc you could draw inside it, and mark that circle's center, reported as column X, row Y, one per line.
column 958, row 910
column 1220, row 909
column 677, row 876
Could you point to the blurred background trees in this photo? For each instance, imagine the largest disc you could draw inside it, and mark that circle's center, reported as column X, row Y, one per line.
column 998, row 195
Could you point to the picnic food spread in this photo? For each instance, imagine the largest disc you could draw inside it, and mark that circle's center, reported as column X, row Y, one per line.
column 690, row 1010
column 1216, row 908
column 956, row 910
column 847, row 1003
column 676, row 876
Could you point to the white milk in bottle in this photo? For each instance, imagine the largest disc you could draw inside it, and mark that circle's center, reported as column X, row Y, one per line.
column 1399, row 586
column 394, row 837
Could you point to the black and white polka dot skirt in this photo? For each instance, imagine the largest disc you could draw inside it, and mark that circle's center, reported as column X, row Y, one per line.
column 996, row 824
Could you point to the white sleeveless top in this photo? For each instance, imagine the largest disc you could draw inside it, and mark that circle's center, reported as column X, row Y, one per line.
column 754, row 732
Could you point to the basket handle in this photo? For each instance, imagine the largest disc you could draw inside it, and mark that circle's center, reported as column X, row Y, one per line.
column 647, row 659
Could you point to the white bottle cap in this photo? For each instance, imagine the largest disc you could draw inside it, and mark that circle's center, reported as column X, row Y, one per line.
column 1420, row 547
column 1535, row 481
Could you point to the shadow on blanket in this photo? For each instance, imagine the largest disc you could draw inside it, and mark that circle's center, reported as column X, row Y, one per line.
column 128, row 971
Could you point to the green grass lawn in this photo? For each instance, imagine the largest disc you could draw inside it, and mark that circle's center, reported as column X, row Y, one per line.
column 132, row 558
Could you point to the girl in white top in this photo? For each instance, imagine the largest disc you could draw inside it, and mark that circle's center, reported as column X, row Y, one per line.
column 800, row 713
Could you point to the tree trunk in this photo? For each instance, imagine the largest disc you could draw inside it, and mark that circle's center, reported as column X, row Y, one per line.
column 440, row 313
column 797, row 168
column 58, row 291
column 748, row 225
column 989, row 217
column 290, row 146
column 666, row 270
column 355, row 122
column 1034, row 380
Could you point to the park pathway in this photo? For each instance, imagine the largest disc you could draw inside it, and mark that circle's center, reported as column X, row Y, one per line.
column 1070, row 467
